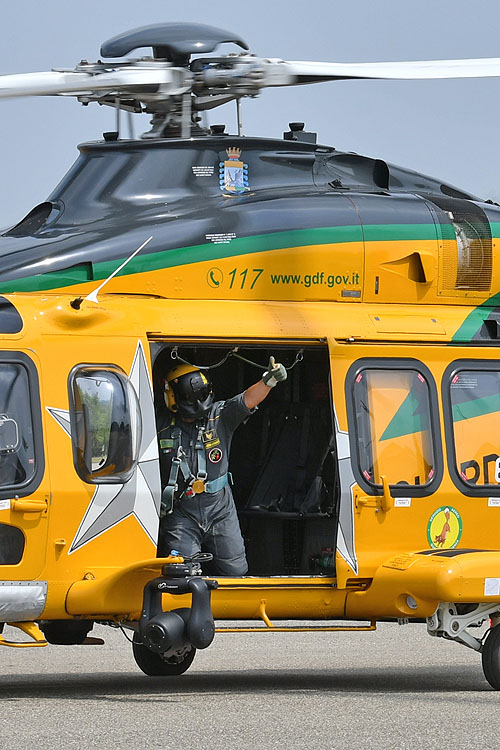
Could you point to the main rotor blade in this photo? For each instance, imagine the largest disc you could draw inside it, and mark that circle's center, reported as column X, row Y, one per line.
column 311, row 72
column 246, row 74
column 243, row 75
column 169, row 81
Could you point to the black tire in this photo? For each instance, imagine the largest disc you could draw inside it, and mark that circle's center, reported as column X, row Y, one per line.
column 156, row 665
column 491, row 657
column 66, row 632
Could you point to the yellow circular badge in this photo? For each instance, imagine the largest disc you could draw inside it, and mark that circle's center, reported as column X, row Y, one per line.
column 444, row 528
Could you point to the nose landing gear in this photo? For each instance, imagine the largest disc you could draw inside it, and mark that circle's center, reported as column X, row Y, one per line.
column 166, row 642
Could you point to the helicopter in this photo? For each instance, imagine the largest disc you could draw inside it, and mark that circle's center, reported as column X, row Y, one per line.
column 367, row 486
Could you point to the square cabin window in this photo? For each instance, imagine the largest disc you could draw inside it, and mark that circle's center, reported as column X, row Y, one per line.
column 475, row 418
column 393, row 426
column 106, row 425
column 17, row 445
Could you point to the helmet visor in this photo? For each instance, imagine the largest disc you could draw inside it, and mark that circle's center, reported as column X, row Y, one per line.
column 193, row 394
column 196, row 389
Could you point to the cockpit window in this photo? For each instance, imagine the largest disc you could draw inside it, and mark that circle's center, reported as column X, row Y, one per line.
column 474, row 419
column 10, row 320
column 107, row 425
column 393, row 424
column 17, row 445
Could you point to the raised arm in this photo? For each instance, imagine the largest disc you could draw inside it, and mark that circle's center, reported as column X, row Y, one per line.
column 256, row 393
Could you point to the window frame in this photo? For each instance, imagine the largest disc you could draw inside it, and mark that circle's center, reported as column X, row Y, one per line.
column 123, row 477
column 391, row 364
column 29, row 485
column 461, row 365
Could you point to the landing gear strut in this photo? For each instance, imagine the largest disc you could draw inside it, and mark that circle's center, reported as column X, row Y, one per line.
column 452, row 620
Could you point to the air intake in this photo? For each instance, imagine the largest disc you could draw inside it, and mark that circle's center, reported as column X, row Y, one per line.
column 466, row 254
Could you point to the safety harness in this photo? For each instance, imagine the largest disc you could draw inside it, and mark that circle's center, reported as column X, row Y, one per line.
column 194, row 485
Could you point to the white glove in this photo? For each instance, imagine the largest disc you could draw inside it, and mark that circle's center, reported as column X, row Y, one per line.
column 275, row 373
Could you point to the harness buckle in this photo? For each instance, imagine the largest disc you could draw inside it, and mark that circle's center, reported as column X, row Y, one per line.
column 198, row 486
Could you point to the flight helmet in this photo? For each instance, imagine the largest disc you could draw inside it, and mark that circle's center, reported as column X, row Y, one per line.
column 188, row 392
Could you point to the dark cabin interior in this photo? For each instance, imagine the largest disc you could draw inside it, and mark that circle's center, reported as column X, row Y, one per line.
column 282, row 460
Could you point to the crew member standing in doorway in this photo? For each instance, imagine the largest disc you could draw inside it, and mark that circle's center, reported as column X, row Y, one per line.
column 198, row 510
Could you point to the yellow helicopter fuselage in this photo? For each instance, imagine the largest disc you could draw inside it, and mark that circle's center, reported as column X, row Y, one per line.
column 380, row 570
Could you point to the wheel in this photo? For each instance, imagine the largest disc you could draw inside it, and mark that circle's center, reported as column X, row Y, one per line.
column 156, row 665
column 491, row 657
column 66, row 632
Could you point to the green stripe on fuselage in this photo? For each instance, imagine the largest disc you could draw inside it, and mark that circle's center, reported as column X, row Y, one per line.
column 475, row 319
column 236, row 247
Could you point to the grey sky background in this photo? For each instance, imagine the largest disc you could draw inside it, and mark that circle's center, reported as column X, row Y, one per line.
column 448, row 129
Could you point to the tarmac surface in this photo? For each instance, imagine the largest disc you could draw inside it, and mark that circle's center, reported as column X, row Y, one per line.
column 393, row 688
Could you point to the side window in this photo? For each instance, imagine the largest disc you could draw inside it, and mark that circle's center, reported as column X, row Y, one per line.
column 12, row 543
column 106, row 424
column 472, row 391
column 17, row 445
column 392, row 413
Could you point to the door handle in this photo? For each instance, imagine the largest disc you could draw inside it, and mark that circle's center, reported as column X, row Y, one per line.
column 386, row 500
column 383, row 502
column 29, row 506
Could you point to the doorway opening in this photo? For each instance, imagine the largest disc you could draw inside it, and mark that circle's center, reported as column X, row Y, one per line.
column 283, row 460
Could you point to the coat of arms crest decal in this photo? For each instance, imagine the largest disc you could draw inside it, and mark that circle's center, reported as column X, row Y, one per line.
column 233, row 173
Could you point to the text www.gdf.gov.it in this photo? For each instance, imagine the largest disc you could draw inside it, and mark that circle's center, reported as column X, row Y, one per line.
column 316, row 279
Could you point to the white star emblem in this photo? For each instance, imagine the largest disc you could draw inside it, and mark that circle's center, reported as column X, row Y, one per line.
column 140, row 496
